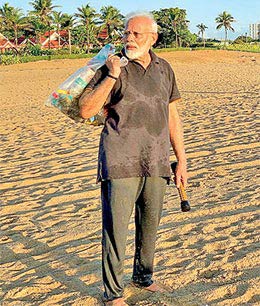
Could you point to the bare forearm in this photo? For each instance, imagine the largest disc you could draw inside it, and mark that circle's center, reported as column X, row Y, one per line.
column 176, row 134
column 92, row 101
column 176, row 137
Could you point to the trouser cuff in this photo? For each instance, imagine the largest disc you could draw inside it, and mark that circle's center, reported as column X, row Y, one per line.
column 107, row 298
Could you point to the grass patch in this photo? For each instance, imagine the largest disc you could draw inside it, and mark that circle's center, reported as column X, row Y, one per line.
column 170, row 49
column 244, row 47
column 25, row 59
column 16, row 59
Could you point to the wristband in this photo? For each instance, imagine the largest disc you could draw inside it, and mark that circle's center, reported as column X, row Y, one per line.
column 112, row 77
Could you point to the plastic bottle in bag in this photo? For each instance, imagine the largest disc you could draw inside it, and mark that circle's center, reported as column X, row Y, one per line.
column 66, row 97
column 85, row 76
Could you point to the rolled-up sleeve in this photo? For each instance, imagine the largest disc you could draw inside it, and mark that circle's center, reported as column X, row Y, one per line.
column 100, row 74
column 175, row 94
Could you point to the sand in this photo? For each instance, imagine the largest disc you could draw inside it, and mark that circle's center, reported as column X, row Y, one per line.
column 50, row 216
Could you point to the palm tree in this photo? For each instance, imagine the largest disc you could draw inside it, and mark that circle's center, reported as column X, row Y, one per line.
column 67, row 24
column 178, row 21
column 43, row 9
column 1, row 24
column 87, row 16
column 37, row 27
column 202, row 27
column 13, row 19
column 224, row 20
column 57, row 20
column 5, row 11
column 112, row 20
column 78, row 34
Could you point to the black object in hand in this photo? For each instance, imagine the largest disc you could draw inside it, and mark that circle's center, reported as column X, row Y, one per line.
column 185, row 205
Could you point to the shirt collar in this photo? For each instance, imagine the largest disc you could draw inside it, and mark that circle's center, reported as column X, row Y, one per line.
column 154, row 57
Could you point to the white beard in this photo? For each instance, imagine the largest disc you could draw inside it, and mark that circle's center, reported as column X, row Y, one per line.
column 133, row 54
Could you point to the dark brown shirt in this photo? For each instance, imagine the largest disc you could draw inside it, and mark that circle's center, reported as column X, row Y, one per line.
column 135, row 141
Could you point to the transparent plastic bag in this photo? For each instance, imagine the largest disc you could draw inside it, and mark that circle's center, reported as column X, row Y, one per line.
column 67, row 95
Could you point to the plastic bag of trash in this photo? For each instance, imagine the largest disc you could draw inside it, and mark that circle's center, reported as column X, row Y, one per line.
column 66, row 96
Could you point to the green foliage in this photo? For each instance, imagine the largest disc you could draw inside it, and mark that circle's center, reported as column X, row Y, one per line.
column 245, row 47
column 112, row 21
column 242, row 40
column 83, row 38
column 37, row 28
column 13, row 20
column 200, row 45
column 43, row 9
column 173, row 27
column 67, row 21
column 187, row 38
column 9, row 59
column 88, row 18
column 202, row 28
column 10, row 52
column 33, row 50
column 77, row 50
column 225, row 20
column 171, row 49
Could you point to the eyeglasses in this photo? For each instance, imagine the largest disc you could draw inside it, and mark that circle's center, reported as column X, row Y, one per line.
column 137, row 35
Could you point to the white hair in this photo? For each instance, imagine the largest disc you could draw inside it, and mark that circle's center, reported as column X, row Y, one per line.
column 146, row 14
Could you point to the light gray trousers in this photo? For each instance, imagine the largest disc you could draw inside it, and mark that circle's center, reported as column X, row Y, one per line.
column 119, row 196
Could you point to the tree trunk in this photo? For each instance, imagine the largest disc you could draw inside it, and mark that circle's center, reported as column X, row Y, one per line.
column 203, row 39
column 109, row 31
column 87, row 36
column 37, row 38
column 69, row 40
column 16, row 37
column 49, row 42
column 225, row 37
column 59, row 35
column 176, row 36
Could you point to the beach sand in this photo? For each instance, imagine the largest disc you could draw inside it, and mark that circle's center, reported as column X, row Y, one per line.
column 50, row 218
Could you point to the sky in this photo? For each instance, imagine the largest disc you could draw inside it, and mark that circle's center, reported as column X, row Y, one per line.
column 198, row 11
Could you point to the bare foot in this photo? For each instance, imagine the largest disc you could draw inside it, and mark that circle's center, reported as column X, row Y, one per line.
column 154, row 287
column 116, row 302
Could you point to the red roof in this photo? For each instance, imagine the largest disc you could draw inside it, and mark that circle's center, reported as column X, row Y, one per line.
column 54, row 44
column 103, row 34
column 44, row 40
column 23, row 40
column 62, row 33
column 5, row 43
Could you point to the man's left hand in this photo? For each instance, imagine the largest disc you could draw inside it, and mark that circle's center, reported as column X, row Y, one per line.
column 181, row 174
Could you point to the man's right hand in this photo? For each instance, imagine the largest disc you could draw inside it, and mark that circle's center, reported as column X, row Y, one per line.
column 113, row 65
column 92, row 101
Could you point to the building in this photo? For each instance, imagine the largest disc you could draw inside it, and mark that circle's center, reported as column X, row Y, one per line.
column 58, row 39
column 6, row 44
column 254, row 30
column 103, row 37
column 22, row 42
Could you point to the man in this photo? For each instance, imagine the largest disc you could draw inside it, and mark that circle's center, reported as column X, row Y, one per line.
column 139, row 101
